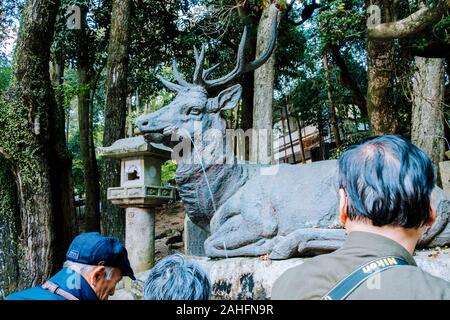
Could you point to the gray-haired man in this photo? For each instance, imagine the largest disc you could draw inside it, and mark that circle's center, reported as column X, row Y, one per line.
column 386, row 203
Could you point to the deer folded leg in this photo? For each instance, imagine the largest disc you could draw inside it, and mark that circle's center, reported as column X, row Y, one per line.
column 238, row 237
column 308, row 242
column 259, row 248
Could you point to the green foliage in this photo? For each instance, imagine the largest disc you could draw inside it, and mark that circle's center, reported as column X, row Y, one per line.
column 9, row 230
column 5, row 73
column 291, row 46
column 355, row 138
column 154, row 42
column 10, row 11
column 19, row 143
column 343, row 21
column 168, row 173
column 441, row 30
column 77, row 163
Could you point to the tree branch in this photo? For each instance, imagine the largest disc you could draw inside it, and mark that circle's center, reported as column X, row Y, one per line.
column 349, row 82
column 4, row 154
column 410, row 25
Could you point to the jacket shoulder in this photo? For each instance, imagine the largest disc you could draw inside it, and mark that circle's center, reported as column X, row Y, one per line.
column 36, row 293
column 404, row 283
column 310, row 280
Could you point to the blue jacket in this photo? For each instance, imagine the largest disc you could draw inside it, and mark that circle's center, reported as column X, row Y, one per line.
column 68, row 280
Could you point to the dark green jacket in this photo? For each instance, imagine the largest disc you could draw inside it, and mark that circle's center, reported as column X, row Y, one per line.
column 317, row 276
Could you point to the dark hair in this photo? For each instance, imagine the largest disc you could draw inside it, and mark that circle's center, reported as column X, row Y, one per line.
column 177, row 278
column 387, row 180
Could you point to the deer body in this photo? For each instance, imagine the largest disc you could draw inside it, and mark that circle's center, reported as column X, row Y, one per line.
column 248, row 213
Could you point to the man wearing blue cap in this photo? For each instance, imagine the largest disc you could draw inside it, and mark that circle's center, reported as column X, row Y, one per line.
column 94, row 266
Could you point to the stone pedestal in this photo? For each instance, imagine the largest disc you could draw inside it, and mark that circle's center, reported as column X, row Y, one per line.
column 140, row 238
column 253, row 278
column 194, row 238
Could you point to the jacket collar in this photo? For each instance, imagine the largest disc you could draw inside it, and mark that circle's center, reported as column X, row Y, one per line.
column 74, row 283
column 370, row 244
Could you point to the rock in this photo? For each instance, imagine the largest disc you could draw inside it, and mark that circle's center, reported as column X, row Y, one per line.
column 162, row 234
column 122, row 295
column 175, row 238
column 436, row 262
column 245, row 278
column 176, row 246
column 444, row 170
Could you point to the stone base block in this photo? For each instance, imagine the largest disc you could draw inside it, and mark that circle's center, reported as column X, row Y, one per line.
column 253, row 278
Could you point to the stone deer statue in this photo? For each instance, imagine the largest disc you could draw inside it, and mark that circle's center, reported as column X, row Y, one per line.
column 290, row 213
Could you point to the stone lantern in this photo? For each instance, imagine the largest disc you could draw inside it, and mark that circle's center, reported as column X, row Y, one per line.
column 140, row 193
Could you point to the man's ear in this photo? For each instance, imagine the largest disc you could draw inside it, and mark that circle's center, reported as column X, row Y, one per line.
column 433, row 214
column 96, row 275
column 226, row 100
column 342, row 206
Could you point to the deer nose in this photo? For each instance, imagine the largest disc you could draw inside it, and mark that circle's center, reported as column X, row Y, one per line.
column 142, row 123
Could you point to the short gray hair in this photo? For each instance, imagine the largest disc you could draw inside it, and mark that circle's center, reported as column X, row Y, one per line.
column 177, row 278
column 84, row 269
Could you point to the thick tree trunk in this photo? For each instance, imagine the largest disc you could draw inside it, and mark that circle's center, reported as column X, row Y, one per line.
column 263, row 95
column 383, row 115
column 113, row 218
column 25, row 121
column 427, row 130
column 87, row 149
column 10, row 231
column 61, row 169
column 38, row 235
column 247, row 80
column 331, row 107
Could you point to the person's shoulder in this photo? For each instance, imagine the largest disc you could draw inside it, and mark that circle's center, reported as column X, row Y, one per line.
column 430, row 286
column 35, row 293
column 404, row 283
column 307, row 280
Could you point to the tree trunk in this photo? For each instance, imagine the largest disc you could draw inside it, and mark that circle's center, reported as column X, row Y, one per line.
column 61, row 170
column 286, row 110
column 284, row 138
column 90, row 170
column 87, row 149
column 300, row 139
column 349, row 82
column 248, row 80
column 263, row 96
column 381, row 68
column 113, row 218
column 320, row 128
column 331, row 108
column 427, row 121
column 25, row 120
column 9, row 232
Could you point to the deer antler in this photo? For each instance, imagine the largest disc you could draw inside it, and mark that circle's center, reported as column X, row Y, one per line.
column 241, row 66
column 201, row 75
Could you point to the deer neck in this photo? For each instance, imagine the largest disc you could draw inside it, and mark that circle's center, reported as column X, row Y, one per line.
column 205, row 185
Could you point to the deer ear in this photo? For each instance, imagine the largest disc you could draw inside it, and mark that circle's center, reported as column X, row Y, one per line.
column 227, row 99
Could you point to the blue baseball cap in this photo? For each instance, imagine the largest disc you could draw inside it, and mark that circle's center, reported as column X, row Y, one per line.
column 96, row 250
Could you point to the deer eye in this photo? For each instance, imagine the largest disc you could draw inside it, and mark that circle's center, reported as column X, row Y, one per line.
column 195, row 111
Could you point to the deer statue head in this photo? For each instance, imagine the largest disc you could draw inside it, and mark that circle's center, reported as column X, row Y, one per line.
column 197, row 106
